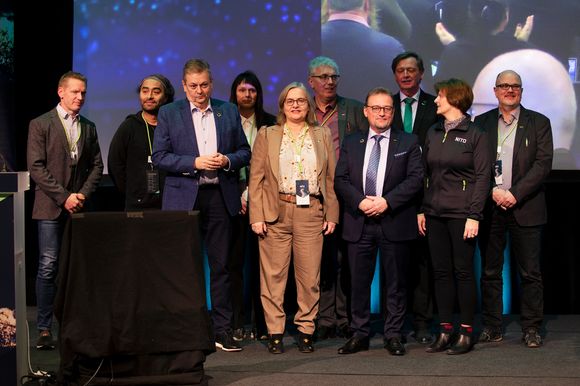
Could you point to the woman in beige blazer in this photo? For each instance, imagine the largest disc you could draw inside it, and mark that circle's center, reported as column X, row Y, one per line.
column 292, row 156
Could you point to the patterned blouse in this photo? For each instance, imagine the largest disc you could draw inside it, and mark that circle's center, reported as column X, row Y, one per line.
column 297, row 162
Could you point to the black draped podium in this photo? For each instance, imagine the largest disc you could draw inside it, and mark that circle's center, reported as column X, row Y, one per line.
column 131, row 299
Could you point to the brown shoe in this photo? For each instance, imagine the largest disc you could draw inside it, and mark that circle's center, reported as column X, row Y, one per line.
column 45, row 341
column 532, row 338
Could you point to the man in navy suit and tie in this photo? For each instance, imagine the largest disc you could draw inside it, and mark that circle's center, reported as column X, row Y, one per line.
column 378, row 175
column 200, row 142
column 416, row 112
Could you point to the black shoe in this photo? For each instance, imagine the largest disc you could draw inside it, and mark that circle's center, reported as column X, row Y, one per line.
column 305, row 343
column 423, row 336
column 354, row 344
column 490, row 335
column 45, row 341
column 441, row 343
column 275, row 344
column 325, row 332
column 395, row 347
column 462, row 345
column 344, row 331
column 255, row 334
column 532, row 338
column 238, row 334
column 226, row 342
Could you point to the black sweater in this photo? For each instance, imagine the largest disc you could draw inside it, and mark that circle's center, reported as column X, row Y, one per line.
column 127, row 163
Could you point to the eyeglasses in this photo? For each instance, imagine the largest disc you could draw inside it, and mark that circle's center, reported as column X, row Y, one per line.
column 326, row 77
column 299, row 102
column 380, row 109
column 506, row 86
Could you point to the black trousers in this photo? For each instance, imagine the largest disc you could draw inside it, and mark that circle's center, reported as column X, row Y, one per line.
column 452, row 259
column 334, row 282
column 526, row 245
column 362, row 257
column 421, row 285
column 216, row 229
column 245, row 277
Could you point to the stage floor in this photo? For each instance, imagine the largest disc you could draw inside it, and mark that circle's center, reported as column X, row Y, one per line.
column 506, row 363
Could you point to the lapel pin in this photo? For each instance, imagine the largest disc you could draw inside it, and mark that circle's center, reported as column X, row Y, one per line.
column 219, row 114
column 362, row 140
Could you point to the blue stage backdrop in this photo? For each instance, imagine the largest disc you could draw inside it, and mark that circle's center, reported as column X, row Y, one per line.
column 117, row 43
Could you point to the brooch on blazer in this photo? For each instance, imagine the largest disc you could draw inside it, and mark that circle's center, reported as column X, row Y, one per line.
column 362, row 140
column 219, row 114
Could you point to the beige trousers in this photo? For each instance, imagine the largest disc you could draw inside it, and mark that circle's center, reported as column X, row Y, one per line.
column 297, row 232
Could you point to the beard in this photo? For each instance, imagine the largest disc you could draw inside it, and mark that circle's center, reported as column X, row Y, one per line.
column 152, row 111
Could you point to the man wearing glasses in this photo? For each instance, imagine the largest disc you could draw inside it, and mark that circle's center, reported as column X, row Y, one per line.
column 342, row 116
column 521, row 145
column 378, row 176
column 200, row 142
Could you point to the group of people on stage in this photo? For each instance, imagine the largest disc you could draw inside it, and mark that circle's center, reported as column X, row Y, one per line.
column 321, row 186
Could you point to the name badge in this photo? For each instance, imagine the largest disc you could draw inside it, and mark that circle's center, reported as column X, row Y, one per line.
column 302, row 193
column 497, row 172
column 152, row 176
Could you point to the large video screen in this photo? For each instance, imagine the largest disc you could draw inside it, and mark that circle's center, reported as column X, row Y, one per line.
column 117, row 43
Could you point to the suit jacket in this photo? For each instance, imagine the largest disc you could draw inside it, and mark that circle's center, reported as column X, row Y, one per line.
column 50, row 164
column 403, row 180
column 175, row 149
column 350, row 116
column 425, row 118
column 532, row 162
column 264, row 172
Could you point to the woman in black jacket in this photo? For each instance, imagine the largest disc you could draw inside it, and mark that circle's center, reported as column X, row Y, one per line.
column 457, row 183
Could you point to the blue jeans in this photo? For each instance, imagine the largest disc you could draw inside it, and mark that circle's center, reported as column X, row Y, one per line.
column 49, row 240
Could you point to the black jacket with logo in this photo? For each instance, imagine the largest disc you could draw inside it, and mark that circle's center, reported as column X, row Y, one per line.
column 457, row 171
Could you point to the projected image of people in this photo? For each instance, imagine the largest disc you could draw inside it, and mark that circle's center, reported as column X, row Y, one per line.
column 467, row 40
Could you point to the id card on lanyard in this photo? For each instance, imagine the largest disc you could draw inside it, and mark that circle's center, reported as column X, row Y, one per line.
column 498, row 164
column 302, row 188
column 151, row 174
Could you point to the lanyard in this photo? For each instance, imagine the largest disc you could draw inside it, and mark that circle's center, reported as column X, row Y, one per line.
column 500, row 143
column 328, row 116
column 72, row 145
column 148, row 137
column 297, row 150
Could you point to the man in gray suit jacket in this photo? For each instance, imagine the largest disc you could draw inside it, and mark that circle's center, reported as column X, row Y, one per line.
column 64, row 160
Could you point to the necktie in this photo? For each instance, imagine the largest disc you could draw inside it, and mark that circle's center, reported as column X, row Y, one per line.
column 408, row 118
column 373, row 167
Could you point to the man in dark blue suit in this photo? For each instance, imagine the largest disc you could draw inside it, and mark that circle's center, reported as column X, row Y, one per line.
column 199, row 141
column 416, row 112
column 377, row 177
